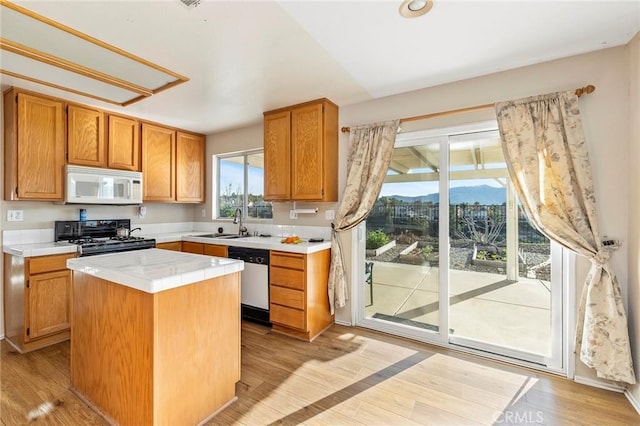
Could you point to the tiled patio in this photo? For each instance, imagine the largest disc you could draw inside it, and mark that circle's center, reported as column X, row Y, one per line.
column 483, row 306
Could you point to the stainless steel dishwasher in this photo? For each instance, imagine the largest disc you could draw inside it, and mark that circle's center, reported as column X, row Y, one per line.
column 254, row 282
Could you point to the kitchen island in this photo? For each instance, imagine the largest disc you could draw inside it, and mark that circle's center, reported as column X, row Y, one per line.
column 155, row 335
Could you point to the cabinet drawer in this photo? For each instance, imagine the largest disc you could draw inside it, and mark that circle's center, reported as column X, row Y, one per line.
column 216, row 250
column 287, row 297
column 174, row 245
column 288, row 260
column 56, row 262
column 189, row 247
column 287, row 278
column 289, row 317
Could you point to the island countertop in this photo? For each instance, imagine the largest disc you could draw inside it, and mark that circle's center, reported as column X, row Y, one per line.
column 155, row 270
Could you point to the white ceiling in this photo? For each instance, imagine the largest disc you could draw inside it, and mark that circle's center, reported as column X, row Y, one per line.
column 246, row 57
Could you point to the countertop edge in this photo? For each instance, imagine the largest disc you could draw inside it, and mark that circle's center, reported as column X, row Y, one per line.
column 265, row 243
column 92, row 265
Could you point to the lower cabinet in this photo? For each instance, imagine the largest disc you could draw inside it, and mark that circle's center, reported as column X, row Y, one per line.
column 173, row 245
column 201, row 248
column 37, row 294
column 299, row 304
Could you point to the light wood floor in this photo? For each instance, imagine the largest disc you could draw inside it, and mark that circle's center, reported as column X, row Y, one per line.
column 346, row 376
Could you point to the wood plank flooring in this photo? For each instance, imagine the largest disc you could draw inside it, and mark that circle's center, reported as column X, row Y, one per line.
column 347, row 376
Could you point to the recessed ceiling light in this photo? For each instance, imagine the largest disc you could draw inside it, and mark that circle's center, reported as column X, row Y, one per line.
column 415, row 8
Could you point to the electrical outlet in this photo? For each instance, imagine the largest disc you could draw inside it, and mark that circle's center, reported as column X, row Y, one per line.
column 293, row 214
column 204, row 213
column 330, row 214
column 15, row 216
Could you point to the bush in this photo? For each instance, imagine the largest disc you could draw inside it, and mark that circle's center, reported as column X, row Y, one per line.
column 427, row 250
column 376, row 239
column 486, row 255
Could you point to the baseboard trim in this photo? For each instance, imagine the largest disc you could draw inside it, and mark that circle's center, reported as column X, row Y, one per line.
column 345, row 323
column 632, row 399
column 596, row 383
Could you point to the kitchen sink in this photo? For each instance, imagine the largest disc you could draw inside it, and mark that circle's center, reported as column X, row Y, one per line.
column 223, row 236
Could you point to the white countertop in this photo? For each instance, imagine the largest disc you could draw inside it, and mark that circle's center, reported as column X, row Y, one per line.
column 40, row 249
column 267, row 243
column 155, row 270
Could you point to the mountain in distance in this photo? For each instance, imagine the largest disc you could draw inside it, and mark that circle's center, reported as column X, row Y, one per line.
column 482, row 194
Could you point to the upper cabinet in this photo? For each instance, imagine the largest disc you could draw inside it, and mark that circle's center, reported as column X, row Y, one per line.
column 40, row 132
column 86, row 144
column 277, row 146
column 301, row 152
column 190, row 168
column 124, row 143
column 158, row 163
column 34, row 144
column 85, row 137
column 173, row 165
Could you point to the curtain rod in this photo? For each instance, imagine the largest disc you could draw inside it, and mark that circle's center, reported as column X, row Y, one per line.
column 579, row 92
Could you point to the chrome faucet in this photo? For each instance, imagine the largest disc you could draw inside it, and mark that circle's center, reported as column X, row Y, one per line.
column 242, row 230
column 134, row 229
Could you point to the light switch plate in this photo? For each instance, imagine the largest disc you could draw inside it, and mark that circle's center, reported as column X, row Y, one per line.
column 15, row 216
column 330, row 214
column 293, row 214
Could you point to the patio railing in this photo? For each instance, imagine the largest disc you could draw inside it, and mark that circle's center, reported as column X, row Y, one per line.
column 423, row 219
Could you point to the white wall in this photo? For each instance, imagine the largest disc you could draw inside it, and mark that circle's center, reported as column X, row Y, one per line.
column 605, row 115
column 634, row 208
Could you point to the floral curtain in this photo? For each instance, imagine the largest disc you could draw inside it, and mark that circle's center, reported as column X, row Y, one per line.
column 548, row 162
column 370, row 149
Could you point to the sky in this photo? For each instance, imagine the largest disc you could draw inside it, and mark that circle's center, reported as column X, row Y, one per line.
column 413, row 189
column 232, row 173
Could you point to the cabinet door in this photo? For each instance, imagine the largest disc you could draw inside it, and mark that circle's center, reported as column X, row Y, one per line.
column 49, row 303
column 124, row 143
column 307, row 168
column 189, row 247
column 277, row 156
column 216, row 250
column 190, row 168
column 173, row 245
column 40, row 150
column 289, row 317
column 158, row 163
column 85, row 137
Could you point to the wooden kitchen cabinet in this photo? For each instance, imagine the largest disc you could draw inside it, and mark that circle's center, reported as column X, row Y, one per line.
column 173, row 165
column 123, row 143
column 86, row 137
column 216, row 250
column 190, row 168
column 299, row 301
column 195, row 248
column 37, row 294
column 158, row 163
column 301, row 152
column 173, row 245
column 34, row 147
column 208, row 249
column 42, row 133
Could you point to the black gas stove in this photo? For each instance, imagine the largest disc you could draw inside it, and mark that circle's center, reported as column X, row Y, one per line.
column 95, row 237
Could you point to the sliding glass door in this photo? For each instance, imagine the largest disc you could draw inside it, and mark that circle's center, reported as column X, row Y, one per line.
column 452, row 259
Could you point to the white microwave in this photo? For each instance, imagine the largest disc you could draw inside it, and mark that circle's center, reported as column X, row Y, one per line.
column 91, row 185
